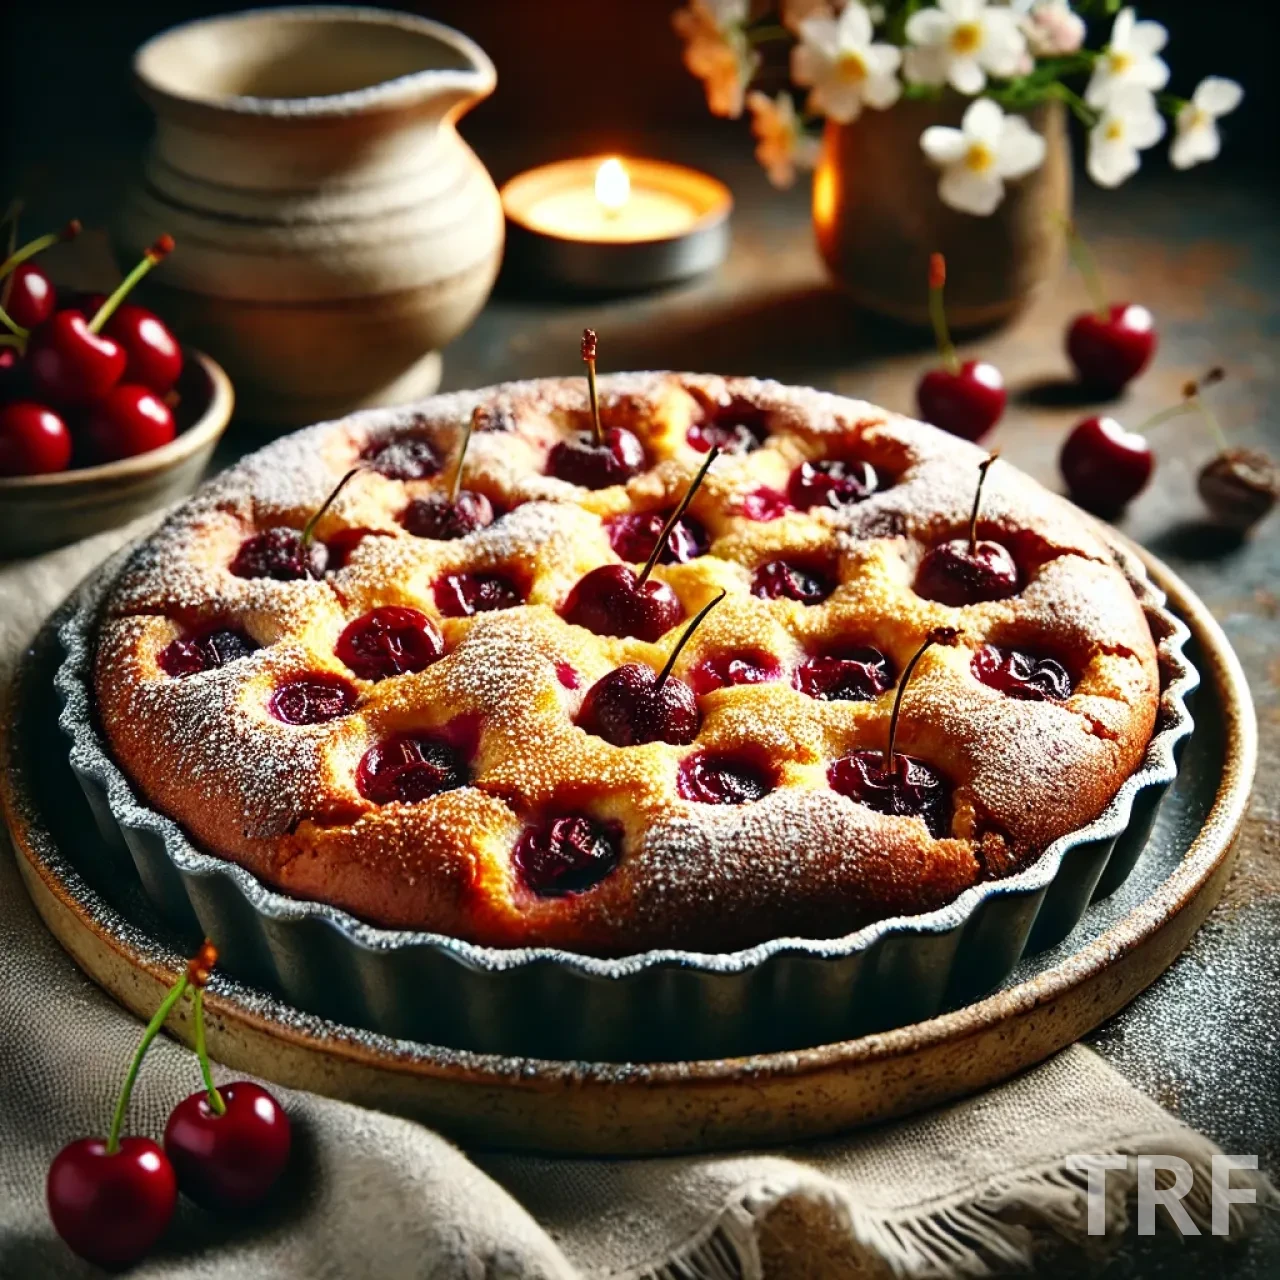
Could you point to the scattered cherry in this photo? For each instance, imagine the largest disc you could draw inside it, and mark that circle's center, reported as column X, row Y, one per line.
column 408, row 458
column 786, row 580
column 567, row 855
column 389, row 641
column 967, row 570
column 631, row 705
column 1021, row 675
column 892, row 783
column 461, row 595
column 205, row 651
column 733, row 667
column 965, row 399
column 1114, row 342
column 128, row 421
column 1240, row 487
column 596, row 459
column 410, row 769
column 764, row 504
column 737, row 426
column 723, row 778
column 452, row 515
column 831, row 482
column 634, row 535
column 313, row 699
column 858, row 675
column 1105, row 466
column 33, row 440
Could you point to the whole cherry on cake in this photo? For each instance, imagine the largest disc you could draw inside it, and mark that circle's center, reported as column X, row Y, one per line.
column 1112, row 343
column 286, row 554
column 966, row 398
column 968, row 570
column 890, row 782
column 228, row 1144
column 598, row 458
column 614, row 600
column 631, row 706
column 455, row 514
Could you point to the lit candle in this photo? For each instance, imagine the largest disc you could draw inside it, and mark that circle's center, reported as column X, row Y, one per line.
column 605, row 223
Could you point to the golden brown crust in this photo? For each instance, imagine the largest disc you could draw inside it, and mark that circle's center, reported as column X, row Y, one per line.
column 803, row 861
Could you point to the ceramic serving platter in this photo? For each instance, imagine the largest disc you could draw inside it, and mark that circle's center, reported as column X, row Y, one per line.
column 1121, row 943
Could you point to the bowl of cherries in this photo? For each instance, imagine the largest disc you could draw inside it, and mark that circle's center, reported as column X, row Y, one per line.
column 103, row 414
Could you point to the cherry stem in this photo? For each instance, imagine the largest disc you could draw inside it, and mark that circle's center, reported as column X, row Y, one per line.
column 455, row 487
column 176, row 993
column 157, row 253
column 1086, row 266
column 681, row 507
column 938, row 312
column 309, row 529
column 688, row 635
column 215, row 1098
column 1194, row 399
column 589, row 344
column 939, row 635
column 983, row 468
column 29, row 250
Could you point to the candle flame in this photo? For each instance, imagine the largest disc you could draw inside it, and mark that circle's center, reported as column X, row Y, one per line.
column 613, row 185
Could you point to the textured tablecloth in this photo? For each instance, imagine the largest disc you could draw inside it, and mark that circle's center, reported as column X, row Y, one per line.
column 985, row 1185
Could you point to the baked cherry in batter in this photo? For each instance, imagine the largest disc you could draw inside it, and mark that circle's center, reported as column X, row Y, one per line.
column 857, row 675
column 445, row 516
column 733, row 667
column 409, row 458
column 389, row 641
column 313, row 699
column 723, row 777
column 831, row 482
column 409, row 769
column 189, row 655
column 634, row 535
column 788, row 580
column 966, row 571
column 892, row 783
column 765, row 504
column 462, row 595
column 1021, row 675
column 631, row 705
column 567, row 854
column 737, row 426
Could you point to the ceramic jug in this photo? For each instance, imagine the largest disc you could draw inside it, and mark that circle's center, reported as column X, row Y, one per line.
column 333, row 229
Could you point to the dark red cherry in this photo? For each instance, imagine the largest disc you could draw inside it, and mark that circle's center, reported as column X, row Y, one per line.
column 70, row 366
column 737, row 666
column 858, row 675
column 712, row 777
column 437, row 517
column 736, row 427
column 634, row 535
column 912, row 790
column 188, row 656
column 612, row 601
column 1109, row 350
column 153, row 356
column 313, row 699
column 32, row 296
column 581, row 461
column 954, row 573
column 785, row 580
column 33, row 440
column 831, row 482
column 408, row 458
column 461, row 595
column 111, row 1209
column 129, row 420
column 280, row 554
column 967, row 402
column 410, row 769
column 629, row 707
column 764, row 504
column 1020, row 675
column 567, row 855
column 1105, row 466
column 389, row 642
column 232, row 1160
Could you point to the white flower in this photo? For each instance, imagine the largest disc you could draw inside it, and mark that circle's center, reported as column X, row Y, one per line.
column 837, row 59
column 1197, row 122
column 962, row 41
column 1129, row 59
column 794, row 12
column 1129, row 123
column 976, row 159
column 782, row 146
column 716, row 51
column 1053, row 29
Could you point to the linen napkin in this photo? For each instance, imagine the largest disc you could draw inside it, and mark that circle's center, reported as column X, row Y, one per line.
column 985, row 1185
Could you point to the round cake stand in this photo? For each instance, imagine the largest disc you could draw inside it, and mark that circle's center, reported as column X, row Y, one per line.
column 1123, row 944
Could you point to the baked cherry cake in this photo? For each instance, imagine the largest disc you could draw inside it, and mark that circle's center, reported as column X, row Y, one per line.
column 456, row 709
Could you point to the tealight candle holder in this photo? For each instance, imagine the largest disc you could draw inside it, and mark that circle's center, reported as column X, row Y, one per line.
column 604, row 224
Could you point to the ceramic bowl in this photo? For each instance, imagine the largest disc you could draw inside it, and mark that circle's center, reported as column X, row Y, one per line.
column 38, row 513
